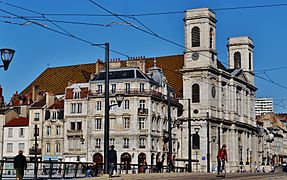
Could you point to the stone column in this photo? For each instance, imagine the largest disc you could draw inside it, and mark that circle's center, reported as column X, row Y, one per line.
column 232, row 148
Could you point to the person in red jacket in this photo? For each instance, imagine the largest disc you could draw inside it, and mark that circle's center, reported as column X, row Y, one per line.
column 221, row 157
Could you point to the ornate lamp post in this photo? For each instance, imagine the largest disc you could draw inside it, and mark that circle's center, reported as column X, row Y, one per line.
column 6, row 56
column 247, row 158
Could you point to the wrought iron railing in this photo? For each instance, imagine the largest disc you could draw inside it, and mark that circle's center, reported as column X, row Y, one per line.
column 70, row 170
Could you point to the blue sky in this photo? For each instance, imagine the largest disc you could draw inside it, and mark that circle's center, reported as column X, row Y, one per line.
column 37, row 47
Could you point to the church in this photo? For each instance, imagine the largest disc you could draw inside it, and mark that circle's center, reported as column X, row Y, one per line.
column 222, row 98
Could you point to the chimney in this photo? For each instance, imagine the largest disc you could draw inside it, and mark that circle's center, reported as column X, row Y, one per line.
column 35, row 93
column 50, row 99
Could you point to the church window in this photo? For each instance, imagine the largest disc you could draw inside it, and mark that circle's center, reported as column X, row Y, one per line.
column 250, row 61
column 195, row 33
column 195, row 93
column 195, row 141
column 237, row 60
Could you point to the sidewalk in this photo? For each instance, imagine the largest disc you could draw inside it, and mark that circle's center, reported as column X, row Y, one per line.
column 150, row 176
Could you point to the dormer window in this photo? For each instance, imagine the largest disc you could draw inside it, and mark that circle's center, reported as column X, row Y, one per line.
column 54, row 115
column 77, row 93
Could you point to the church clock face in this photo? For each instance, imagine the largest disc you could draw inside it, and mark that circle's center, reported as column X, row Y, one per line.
column 213, row 91
column 195, row 56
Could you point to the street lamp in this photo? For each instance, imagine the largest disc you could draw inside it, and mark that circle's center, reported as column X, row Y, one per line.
column 6, row 56
column 241, row 162
column 119, row 99
column 247, row 158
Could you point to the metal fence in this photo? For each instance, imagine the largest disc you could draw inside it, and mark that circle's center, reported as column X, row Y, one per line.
column 70, row 170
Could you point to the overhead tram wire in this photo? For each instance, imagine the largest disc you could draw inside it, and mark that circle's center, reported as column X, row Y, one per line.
column 83, row 40
column 172, row 41
column 65, row 34
column 164, row 13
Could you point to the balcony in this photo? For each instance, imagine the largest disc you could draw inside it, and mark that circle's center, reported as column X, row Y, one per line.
column 74, row 132
column 142, row 111
column 125, row 146
column 32, row 151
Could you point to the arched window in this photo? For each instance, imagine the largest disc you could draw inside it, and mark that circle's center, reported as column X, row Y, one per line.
column 250, row 61
column 195, row 141
column 195, row 37
column 195, row 93
column 211, row 33
column 237, row 60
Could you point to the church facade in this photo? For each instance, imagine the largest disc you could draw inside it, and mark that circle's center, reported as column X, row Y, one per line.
column 222, row 98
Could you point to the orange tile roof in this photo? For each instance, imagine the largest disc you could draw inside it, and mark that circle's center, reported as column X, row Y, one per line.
column 56, row 79
column 19, row 121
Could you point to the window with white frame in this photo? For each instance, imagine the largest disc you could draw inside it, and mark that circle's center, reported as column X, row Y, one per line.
column 36, row 116
column 73, row 107
column 79, row 125
column 77, row 95
column 54, row 115
column 142, row 143
column 127, row 87
column 48, row 130
column 48, row 148
column 112, row 107
column 100, row 89
column 141, row 87
column 142, row 104
column 10, row 132
column 58, row 147
column 126, row 104
column 21, row 146
column 58, row 130
column 76, row 108
column 112, row 124
column 114, row 88
column 126, row 122
column 98, row 105
column 21, row 132
column 141, row 122
column 98, row 143
column 72, row 125
column 9, row 147
column 112, row 141
column 98, row 123
column 126, row 143
column 79, row 109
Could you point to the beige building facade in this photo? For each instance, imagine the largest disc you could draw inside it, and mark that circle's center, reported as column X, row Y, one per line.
column 222, row 99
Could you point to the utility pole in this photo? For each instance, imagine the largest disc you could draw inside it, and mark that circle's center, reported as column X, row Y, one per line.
column 169, row 128
column 208, row 144
column 107, row 111
column 189, row 138
column 35, row 151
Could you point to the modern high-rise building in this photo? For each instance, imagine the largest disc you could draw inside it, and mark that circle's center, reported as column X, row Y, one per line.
column 263, row 106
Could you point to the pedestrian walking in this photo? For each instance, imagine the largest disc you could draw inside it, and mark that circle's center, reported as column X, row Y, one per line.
column 20, row 164
column 158, row 162
column 112, row 159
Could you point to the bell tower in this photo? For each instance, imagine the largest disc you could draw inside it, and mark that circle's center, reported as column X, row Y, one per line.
column 200, row 39
column 240, row 55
